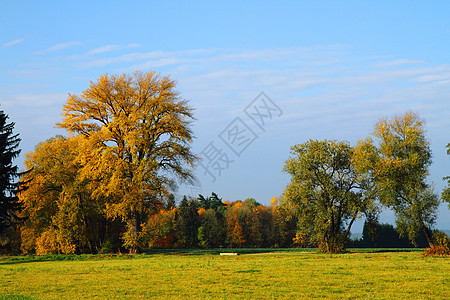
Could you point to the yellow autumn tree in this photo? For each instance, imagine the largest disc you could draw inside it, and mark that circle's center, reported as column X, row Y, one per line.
column 235, row 232
column 60, row 215
column 137, row 138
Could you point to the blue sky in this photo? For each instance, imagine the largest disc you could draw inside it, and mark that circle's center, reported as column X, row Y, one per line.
column 332, row 68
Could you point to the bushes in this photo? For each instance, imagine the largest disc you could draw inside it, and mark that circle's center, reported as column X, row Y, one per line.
column 440, row 246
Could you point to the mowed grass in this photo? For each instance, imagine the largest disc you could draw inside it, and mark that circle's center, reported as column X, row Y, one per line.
column 278, row 275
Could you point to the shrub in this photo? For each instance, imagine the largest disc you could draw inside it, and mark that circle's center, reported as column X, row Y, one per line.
column 440, row 246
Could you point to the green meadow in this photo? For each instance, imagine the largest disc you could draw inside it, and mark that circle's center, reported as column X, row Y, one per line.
column 205, row 274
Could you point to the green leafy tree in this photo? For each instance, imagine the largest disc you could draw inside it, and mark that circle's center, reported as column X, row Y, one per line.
column 9, row 150
column 326, row 190
column 187, row 223
column 400, row 169
column 446, row 192
column 382, row 236
column 252, row 202
column 249, row 218
column 377, row 235
column 213, row 202
column 283, row 226
column 210, row 232
column 137, row 139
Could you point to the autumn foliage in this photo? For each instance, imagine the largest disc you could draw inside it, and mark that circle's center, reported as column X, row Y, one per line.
column 135, row 141
column 440, row 246
column 62, row 216
column 110, row 184
column 238, row 224
column 130, row 142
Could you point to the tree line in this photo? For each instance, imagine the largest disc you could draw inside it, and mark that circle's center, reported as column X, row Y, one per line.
column 376, row 235
column 110, row 183
column 207, row 222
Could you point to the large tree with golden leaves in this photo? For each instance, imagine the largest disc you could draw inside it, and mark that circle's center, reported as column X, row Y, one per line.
column 137, row 139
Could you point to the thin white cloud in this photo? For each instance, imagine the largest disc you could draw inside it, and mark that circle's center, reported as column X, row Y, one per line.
column 13, row 43
column 37, row 100
column 25, row 73
column 103, row 49
column 333, row 72
column 398, row 62
column 60, row 46
column 109, row 48
column 307, row 86
column 102, row 62
column 163, row 62
column 145, row 57
column 434, row 77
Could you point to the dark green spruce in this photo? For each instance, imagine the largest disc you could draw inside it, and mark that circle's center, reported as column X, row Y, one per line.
column 9, row 150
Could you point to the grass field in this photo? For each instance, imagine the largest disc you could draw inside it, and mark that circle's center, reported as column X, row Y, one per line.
column 260, row 275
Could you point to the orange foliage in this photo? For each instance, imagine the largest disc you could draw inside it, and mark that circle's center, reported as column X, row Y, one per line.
column 237, row 235
column 299, row 238
column 440, row 248
column 237, row 204
column 274, row 201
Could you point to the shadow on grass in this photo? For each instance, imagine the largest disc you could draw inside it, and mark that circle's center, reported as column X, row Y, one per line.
column 217, row 251
column 382, row 250
column 267, row 250
column 21, row 259
column 11, row 260
column 16, row 297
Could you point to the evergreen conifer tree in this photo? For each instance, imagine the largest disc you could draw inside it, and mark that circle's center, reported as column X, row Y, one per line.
column 9, row 202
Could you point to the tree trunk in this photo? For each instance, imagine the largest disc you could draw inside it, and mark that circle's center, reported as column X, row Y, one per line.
column 427, row 233
column 133, row 234
column 347, row 232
